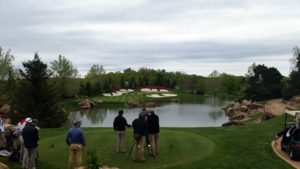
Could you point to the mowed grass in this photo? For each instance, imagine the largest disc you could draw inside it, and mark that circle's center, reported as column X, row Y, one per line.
column 73, row 104
column 235, row 147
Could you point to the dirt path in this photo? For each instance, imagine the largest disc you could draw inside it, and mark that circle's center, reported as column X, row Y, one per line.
column 284, row 155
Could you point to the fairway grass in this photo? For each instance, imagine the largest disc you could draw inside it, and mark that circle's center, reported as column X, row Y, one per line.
column 235, row 147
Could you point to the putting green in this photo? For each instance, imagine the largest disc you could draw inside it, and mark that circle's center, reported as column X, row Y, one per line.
column 176, row 147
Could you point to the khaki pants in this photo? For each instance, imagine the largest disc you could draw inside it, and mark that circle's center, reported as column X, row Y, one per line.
column 120, row 141
column 154, row 143
column 75, row 153
column 29, row 158
column 138, row 150
column 22, row 149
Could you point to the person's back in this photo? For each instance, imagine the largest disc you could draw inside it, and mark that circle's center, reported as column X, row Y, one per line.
column 75, row 136
column 75, row 139
column 120, row 123
column 30, row 136
column 139, row 126
column 153, row 122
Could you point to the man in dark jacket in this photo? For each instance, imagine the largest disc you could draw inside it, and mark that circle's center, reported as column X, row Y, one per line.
column 120, row 124
column 31, row 137
column 153, row 122
column 139, row 131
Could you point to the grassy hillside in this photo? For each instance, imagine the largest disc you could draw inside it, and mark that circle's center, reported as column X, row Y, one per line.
column 181, row 148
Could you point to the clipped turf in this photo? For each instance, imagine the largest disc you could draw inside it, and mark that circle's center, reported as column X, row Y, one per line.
column 246, row 147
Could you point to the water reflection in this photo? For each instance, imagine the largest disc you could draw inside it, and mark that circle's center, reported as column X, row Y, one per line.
column 205, row 113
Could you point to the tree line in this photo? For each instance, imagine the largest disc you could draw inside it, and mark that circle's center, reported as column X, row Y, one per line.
column 36, row 88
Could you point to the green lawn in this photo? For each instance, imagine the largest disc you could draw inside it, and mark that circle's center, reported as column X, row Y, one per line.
column 246, row 147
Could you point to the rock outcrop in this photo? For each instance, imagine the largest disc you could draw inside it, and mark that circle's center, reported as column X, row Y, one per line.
column 240, row 111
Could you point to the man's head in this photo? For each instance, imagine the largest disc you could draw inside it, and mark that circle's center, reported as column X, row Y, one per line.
column 121, row 112
column 77, row 123
column 35, row 122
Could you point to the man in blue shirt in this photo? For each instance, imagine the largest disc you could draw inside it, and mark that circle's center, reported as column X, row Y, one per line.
column 75, row 139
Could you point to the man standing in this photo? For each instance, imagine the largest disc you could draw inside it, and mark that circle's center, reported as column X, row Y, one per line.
column 2, row 135
column 153, row 122
column 139, row 131
column 75, row 139
column 120, row 124
column 31, row 137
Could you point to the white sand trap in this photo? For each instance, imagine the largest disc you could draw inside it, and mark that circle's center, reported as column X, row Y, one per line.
column 163, row 90
column 155, row 96
column 145, row 90
column 154, row 90
column 106, row 94
column 130, row 90
column 123, row 90
column 169, row 95
column 116, row 94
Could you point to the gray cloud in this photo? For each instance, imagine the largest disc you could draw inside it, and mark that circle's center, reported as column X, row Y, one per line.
column 191, row 36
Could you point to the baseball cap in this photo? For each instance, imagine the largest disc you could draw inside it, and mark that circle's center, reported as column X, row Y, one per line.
column 28, row 120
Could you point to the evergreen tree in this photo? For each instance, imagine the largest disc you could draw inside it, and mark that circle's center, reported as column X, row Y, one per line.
column 88, row 88
column 82, row 89
column 265, row 84
column 294, row 81
column 36, row 97
column 97, row 88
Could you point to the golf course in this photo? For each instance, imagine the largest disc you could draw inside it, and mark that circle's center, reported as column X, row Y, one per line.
column 245, row 146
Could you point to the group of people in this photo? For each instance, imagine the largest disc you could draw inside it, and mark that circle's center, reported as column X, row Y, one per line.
column 27, row 132
column 145, row 127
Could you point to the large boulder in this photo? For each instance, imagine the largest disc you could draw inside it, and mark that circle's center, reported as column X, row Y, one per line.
column 245, row 102
column 236, row 106
column 150, row 104
column 267, row 116
column 234, row 122
column 296, row 99
column 230, row 112
column 275, row 107
column 237, row 117
column 255, row 106
column 244, row 108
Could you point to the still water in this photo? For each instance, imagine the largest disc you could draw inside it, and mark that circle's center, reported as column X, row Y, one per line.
column 205, row 113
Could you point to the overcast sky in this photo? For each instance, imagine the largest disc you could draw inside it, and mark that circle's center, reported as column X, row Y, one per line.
column 193, row 36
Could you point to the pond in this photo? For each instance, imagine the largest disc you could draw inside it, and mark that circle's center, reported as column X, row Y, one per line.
column 204, row 113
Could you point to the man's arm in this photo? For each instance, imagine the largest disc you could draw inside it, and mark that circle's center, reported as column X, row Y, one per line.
column 128, row 125
column 82, row 138
column 67, row 138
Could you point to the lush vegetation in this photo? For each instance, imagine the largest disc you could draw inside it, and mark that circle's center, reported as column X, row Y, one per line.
column 37, row 91
column 189, row 148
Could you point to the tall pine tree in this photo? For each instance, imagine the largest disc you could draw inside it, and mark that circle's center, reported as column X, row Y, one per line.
column 36, row 97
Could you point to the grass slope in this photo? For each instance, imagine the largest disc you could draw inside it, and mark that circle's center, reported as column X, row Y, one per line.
column 181, row 148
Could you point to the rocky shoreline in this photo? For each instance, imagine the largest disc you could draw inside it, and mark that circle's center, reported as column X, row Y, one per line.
column 239, row 112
